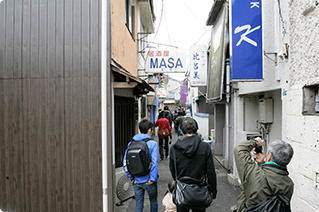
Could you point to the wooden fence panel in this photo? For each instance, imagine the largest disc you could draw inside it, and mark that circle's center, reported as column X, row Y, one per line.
column 50, row 106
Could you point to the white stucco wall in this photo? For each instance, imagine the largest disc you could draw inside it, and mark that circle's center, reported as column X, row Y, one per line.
column 275, row 80
column 303, row 130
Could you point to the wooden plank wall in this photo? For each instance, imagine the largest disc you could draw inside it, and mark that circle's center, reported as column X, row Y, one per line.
column 50, row 106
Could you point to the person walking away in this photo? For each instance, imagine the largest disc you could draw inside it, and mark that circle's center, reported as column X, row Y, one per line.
column 167, row 114
column 256, row 176
column 163, row 123
column 168, row 199
column 194, row 158
column 147, row 182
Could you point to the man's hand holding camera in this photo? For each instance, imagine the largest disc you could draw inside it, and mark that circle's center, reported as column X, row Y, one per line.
column 259, row 155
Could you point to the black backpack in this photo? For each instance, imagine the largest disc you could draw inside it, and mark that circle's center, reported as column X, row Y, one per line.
column 275, row 203
column 138, row 159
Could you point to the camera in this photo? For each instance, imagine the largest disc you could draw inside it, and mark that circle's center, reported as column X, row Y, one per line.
column 258, row 149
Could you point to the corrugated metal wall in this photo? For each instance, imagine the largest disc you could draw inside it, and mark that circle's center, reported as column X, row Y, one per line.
column 50, row 109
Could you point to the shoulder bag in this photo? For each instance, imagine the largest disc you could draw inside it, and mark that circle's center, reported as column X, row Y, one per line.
column 190, row 192
column 163, row 133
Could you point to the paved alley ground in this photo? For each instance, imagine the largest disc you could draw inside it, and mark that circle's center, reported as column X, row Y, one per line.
column 226, row 196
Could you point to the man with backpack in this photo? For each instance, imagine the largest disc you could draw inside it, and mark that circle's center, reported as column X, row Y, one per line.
column 266, row 184
column 140, row 163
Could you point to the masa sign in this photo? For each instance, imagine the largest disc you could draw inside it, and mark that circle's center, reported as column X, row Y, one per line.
column 170, row 60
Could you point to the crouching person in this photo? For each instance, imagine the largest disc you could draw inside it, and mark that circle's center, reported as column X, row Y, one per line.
column 266, row 178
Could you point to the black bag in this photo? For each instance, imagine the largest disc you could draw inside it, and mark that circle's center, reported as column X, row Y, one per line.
column 275, row 203
column 191, row 193
column 138, row 159
column 194, row 195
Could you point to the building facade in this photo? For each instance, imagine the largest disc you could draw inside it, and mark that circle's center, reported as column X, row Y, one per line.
column 302, row 121
column 130, row 21
column 285, row 103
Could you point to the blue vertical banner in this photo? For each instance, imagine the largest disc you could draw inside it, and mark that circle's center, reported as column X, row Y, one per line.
column 246, row 49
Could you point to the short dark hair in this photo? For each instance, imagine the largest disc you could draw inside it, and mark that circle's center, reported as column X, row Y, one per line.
column 189, row 126
column 160, row 115
column 166, row 108
column 145, row 125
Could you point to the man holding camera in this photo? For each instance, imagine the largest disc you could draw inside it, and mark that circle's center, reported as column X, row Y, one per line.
column 255, row 176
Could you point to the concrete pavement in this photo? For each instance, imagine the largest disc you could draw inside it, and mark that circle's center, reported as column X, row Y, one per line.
column 226, row 196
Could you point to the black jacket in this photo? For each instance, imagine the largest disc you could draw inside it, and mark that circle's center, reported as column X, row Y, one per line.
column 167, row 114
column 194, row 158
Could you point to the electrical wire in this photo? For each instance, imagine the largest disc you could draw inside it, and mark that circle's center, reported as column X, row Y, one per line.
column 159, row 24
column 202, row 35
column 169, row 37
column 191, row 11
column 282, row 20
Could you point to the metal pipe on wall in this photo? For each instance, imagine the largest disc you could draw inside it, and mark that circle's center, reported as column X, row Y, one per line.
column 227, row 113
column 106, row 109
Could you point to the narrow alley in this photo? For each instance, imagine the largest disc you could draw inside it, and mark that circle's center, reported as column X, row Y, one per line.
column 226, row 196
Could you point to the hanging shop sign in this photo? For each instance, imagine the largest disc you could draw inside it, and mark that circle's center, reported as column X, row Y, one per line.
column 161, row 92
column 169, row 60
column 198, row 65
column 183, row 94
column 246, row 41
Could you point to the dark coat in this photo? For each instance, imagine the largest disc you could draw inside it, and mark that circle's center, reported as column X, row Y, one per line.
column 253, row 177
column 167, row 114
column 194, row 158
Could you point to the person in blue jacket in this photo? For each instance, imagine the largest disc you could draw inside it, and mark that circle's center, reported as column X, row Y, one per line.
column 149, row 181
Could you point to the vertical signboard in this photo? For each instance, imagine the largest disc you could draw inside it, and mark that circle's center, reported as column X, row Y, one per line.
column 246, row 40
column 183, row 94
column 198, row 65
column 217, row 57
column 170, row 60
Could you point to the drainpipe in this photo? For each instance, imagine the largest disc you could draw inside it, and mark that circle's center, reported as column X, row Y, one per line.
column 106, row 109
column 227, row 113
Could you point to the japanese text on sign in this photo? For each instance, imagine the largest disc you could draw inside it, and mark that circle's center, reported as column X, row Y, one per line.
column 166, row 60
column 198, row 65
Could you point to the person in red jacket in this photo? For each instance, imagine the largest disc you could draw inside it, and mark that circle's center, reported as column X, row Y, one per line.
column 162, row 123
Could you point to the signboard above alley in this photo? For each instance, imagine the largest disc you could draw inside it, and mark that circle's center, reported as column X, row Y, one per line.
column 246, row 40
column 198, row 65
column 166, row 60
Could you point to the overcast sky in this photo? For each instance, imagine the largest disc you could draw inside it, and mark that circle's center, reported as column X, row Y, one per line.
column 181, row 23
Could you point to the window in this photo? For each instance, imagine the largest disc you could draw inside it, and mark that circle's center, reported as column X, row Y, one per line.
column 129, row 15
column 310, row 100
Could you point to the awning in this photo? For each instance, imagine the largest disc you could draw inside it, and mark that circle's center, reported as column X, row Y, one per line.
column 125, row 80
